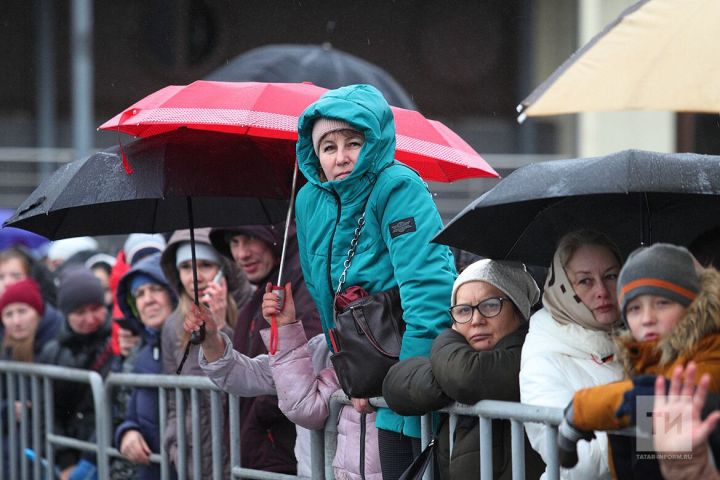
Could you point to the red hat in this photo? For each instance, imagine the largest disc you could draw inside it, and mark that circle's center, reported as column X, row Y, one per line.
column 25, row 291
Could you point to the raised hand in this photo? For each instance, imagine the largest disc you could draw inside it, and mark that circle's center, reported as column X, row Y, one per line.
column 682, row 401
column 271, row 303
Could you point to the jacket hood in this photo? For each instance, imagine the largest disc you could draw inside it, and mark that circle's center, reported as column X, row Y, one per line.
column 270, row 234
column 167, row 260
column 701, row 319
column 149, row 266
column 364, row 108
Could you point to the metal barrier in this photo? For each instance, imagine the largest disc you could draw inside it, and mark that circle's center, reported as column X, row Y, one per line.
column 17, row 375
column 323, row 442
column 485, row 410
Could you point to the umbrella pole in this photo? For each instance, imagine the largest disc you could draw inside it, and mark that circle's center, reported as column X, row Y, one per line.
column 196, row 338
column 287, row 223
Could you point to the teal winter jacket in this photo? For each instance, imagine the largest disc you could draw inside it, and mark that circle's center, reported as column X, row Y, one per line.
column 400, row 220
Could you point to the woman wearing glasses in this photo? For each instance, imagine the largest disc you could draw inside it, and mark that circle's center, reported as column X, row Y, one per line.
column 568, row 346
column 477, row 359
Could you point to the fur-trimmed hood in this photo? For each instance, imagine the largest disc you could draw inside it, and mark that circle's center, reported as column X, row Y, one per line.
column 701, row 319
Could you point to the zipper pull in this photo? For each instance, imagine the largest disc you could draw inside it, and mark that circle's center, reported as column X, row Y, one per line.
column 156, row 353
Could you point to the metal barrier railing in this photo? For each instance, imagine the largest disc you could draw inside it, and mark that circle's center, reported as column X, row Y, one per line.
column 486, row 411
column 17, row 375
column 323, row 442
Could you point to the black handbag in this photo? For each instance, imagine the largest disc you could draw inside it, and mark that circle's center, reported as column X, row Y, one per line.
column 367, row 335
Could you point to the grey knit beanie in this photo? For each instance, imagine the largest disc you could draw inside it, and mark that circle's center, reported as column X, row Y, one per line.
column 78, row 287
column 514, row 281
column 661, row 269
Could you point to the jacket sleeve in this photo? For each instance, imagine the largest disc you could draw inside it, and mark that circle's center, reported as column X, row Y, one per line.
column 542, row 384
column 130, row 422
column 595, row 408
column 410, row 388
column 469, row 376
column 303, row 395
column 424, row 271
column 238, row 374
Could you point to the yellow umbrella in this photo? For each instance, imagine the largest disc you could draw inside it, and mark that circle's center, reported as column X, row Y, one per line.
column 657, row 55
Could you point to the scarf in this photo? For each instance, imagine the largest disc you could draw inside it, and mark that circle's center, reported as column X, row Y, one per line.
column 563, row 304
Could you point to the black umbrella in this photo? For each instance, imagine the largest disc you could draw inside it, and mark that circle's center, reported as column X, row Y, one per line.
column 635, row 197
column 180, row 179
column 320, row 64
column 227, row 179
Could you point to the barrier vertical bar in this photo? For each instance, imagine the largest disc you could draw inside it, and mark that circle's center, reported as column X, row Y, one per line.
column 195, row 433
column 486, row 463
column 101, row 406
column 234, row 419
column 453, row 425
column 331, row 436
column 22, row 393
column 517, row 436
column 317, row 454
column 425, row 436
column 553, row 465
column 162, row 417
column 49, row 403
column 12, row 427
column 216, row 414
column 36, row 423
column 181, row 443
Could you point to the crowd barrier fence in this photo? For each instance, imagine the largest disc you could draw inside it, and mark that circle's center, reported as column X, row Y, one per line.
column 27, row 385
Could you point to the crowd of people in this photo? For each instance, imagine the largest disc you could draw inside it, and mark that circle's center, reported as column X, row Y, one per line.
column 601, row 333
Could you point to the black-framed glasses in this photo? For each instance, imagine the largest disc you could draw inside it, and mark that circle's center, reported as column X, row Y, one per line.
column 488, row 308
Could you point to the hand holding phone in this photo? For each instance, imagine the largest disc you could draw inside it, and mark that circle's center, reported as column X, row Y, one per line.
column 197, row 337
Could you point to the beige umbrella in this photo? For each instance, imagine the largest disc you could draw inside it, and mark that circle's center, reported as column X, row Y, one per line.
column 657, row 55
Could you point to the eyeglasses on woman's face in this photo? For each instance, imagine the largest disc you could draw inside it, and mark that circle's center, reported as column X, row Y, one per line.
column 488, row 308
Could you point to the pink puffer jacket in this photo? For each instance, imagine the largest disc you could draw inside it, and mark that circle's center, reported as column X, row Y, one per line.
column 304, row 397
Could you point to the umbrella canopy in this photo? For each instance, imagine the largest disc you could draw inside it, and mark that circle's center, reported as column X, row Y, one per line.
column 229, row 179
column 322, row 65
column 633, row 196
column 271, row 111
column 657, row 55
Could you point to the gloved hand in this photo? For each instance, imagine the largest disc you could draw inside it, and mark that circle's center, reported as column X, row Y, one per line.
column 567, row 439
column 84, row 470
column 643, row 385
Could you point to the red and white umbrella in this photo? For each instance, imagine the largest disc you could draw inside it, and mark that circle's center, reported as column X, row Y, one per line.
column 271, row 111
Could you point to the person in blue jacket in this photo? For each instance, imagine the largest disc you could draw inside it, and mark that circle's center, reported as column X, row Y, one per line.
column 346, row 150
column 146, row 300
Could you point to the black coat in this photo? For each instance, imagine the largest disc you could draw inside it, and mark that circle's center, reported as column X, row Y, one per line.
column 456, row 372
column 74, row 413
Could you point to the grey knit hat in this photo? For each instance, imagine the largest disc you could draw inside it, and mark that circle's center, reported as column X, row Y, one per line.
column 78, row 287
column 512, row 280
column 661, row 269
column 323, row 126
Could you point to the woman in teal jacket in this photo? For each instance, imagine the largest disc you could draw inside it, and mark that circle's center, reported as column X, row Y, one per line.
column 394, row 247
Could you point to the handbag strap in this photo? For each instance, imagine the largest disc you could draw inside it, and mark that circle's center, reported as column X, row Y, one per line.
column 356, row 236
column 351, row 252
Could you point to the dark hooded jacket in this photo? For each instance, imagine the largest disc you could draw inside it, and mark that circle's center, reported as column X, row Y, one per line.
column 267, row 436
column 74, row 413
column 455, row 371
column 142, row 409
